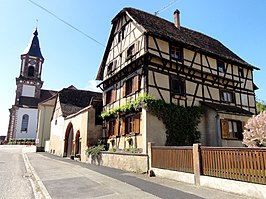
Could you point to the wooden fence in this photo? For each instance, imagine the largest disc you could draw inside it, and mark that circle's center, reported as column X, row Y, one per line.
column 173, row 158
column 243, row 164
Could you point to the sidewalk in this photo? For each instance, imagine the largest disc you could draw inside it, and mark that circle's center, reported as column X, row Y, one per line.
column 57, row 177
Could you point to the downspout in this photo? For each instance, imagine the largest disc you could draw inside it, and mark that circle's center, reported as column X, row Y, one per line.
column 42, row 144
column 217, row 119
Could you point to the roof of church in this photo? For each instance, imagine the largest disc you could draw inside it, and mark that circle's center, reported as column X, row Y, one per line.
column 74, row 100
column 167, row 30
column 32, row 102
column 226, row 108
column 33, row 48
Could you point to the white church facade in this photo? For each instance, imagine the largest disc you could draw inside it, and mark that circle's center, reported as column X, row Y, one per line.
column 23, row 116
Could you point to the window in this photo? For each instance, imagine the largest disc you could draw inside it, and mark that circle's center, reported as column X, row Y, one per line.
column 240, row 72
column 121, row 34
column 132, row 124
column 130, row 51
column 231, row 129
column 220, row 66
column 227, row 96
column 111, row 67
column 31, row 71
column 108, row 96
column 113, row 127
column 178, row 86
column 176, row 53
column 24, row 123
column 131, row 85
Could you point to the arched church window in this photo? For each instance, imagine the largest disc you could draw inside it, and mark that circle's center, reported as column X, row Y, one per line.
column 31, row 71
column 25, row 122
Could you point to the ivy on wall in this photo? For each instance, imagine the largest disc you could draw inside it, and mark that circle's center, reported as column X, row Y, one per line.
column 180, row 122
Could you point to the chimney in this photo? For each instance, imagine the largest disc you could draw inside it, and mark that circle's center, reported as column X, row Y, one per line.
column 177, row 19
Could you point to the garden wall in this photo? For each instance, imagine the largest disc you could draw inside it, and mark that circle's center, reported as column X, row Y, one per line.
column 126, row 161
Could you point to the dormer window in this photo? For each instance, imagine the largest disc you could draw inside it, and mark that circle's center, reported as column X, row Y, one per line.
column 240, row 72
column 220, row 66
column 131, row 51
column 176, row 53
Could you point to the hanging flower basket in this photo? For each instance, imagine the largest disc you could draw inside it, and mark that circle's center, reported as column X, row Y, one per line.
column 128, row 138
column 111, row 139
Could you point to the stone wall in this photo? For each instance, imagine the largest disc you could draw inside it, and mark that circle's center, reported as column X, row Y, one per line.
column 126, row 161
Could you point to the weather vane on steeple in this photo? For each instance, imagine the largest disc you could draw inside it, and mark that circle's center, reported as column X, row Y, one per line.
column 37, row 23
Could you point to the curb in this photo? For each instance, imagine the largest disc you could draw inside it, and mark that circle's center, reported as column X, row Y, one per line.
column 39, row 190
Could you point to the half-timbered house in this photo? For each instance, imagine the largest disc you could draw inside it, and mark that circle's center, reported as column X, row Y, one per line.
column 148, row 54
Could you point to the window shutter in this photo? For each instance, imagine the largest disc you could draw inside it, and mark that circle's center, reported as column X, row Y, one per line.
column 243, row 126
column 124, row 89
column 122, row 132
column 104, row 99
column 224, row 128
column 113, row 98
column 136, row 83
column 116, row 128
column 137, row 123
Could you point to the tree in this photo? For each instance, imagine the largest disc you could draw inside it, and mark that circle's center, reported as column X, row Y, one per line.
column 260, row 106
column 255, row 131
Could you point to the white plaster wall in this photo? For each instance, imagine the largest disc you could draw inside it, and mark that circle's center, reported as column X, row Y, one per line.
column 57, row 135
column 28, row 91
column 44, row 124
column 32, row 123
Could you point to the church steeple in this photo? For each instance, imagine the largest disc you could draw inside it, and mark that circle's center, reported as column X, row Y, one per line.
column 32, row 59
column 29, row 82
column 33, row 49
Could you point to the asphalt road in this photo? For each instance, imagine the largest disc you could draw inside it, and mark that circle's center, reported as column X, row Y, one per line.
column 14, row 180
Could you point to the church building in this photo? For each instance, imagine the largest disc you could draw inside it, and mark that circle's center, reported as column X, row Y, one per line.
column 23, row 114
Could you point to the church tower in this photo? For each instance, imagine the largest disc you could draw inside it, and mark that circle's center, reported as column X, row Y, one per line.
column 29, row 82
column 23, row 114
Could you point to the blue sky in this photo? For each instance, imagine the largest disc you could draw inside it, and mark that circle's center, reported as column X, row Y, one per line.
column 73, row 59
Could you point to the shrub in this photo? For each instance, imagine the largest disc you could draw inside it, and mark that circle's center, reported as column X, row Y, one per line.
column 95, row 150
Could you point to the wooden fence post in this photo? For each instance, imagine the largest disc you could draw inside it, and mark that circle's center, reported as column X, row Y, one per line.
column 150, row 144
column 196, row 163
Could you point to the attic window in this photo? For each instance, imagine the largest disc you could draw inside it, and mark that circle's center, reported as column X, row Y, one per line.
column 220, row 66
column 131, row 51
column 176, row 53
column 121, row 34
